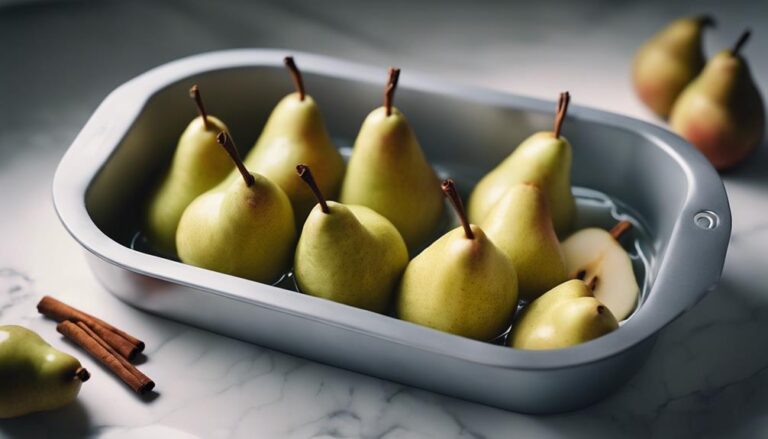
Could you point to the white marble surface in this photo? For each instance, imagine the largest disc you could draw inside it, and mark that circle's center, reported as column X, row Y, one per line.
column 706, row 377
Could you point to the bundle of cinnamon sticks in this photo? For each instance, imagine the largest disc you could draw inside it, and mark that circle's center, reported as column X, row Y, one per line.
column 109, row 345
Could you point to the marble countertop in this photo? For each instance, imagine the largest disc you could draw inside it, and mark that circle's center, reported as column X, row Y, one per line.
column 707, row 376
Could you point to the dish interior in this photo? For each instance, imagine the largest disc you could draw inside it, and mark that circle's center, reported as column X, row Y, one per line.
column 462, row 137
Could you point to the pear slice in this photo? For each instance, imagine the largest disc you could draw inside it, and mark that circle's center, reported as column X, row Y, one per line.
column 596, row 256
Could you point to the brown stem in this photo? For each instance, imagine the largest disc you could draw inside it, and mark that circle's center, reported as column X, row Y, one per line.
column 619, row 229
column 60, row 311
column 226, row 141
column 580, row 275
column 592, row 283
column 562, row 109
column 706, row 20
column 389, row 90
column 298, row 81
column 194, row 93
column 82, row 374
column 449, row 188
column 741, row 41
column 306, row 174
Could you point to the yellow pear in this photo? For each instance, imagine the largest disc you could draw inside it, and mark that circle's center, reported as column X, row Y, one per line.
column 348, row 254
column 521, row 227
column 462, row 283
column 721, row 112
column 295, row 133
column 389, row 174
column 244, row 228
column 198, row 164
column 666, row 63
column 564, row 316
column 543, row 159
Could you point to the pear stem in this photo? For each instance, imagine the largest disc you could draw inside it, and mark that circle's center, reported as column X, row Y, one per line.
column 389, row 90
column 562, row 109
column 225, row 140
column 306, row 174
column 449, row 188
column 194, row 93
column 82, row 374
column 298, row 81
column 706, row 20
column 741, row 41
column 619, row 229
column 592, row 284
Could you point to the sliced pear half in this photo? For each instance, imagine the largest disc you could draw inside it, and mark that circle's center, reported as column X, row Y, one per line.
column 596, row 256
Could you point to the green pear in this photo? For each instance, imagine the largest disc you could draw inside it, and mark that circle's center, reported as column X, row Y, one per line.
column 595, row 255
column 33, row 375
column 198, row 164
column 245, row 228
column 564, row 316
column 521, row 226
column 721, row 112
column 295, row 133
column 667, row 62
column 348, row 254
column 462, row 283
column 389, row 174
column 543, row 159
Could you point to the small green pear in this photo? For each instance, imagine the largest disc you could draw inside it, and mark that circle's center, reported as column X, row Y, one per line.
column 245, row 228
column 543, row 159
column 666, row 63
column 33, row 375
column 198, row 164
column 389, row 173
column 348, row 254
column 521, row 226
column 295, row 133
column 564, row 316
column 721, row 112
column 462, row 283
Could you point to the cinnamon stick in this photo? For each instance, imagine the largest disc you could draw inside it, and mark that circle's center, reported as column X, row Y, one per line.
column 82, row 338
column 146, row 382
column 127, row 345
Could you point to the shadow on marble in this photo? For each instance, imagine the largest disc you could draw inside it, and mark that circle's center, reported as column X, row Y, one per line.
column 70, row 421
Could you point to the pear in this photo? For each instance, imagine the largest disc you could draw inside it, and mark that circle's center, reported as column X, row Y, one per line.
column 295, row 133
column 667, row 62
column 198, row 164
column 543, row 159
column 389, row 173
column 348, row 254
column 564, row 316
column 462, row 283
column 245, row 228
column 521, row 226
column 596, row 256
column 33, row 375
column 721, row 112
